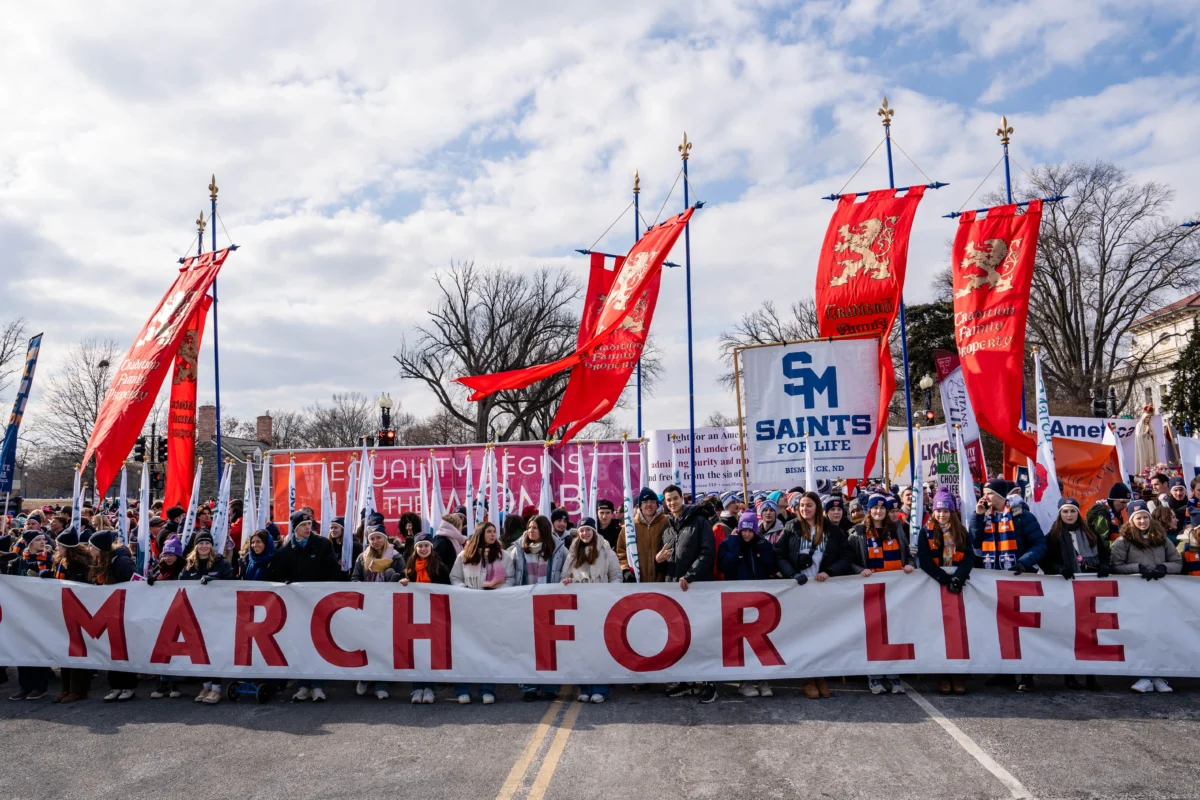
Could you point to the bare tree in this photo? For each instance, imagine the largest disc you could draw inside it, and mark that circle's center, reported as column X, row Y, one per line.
column 72, row 395
column 1107, row 256
column 765, row 325
column 12, row 352
column 349, row 417
column 238, row 429
column 438, row 429
column 289, row 429
column 719, row 420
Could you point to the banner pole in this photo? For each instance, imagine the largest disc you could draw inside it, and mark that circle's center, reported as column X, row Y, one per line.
column 212, row 193
column 684, row 150
column 887, row 113
column 637, row 234
column 737, row 385
column 1005, row 132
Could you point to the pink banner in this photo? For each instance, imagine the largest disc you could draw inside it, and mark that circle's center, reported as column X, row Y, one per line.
column 398, row 476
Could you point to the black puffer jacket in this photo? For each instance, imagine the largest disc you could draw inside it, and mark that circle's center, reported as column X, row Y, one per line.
column 693, row 546
column 314, row 562
column 790, row 557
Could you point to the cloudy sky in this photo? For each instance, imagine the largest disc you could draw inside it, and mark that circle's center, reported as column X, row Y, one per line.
column 360, row 147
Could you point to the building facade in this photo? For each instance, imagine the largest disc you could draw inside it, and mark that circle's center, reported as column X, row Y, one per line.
column 1161, row 337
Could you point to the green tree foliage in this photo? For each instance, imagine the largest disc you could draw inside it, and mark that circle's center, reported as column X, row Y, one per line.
column 1183, row 404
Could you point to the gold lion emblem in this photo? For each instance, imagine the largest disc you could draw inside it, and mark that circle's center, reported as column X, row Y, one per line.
column 185, row 366
column 866, row 247
column 627, row 280
column 996, row 260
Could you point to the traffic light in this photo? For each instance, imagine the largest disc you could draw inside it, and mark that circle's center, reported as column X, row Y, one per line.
column 163, row 441
column 387, row 438
column 929, row 416
column 158, row 481
column 139, row 449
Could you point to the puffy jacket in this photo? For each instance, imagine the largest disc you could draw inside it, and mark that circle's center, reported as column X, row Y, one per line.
column 516, row 563
column 857, row 545
column 613, row 532
column 1100, row 520
column 649, row 537
column 120, row 569
column 1031, row 542
column 314, row 562
column 606, row 569
column 740, row 560
column 693, row 546
column 790, row 548
column 1129, row 557
column 219, row 569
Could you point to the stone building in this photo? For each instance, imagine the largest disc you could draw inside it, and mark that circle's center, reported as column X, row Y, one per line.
column 1161, row 337
column 240, row 450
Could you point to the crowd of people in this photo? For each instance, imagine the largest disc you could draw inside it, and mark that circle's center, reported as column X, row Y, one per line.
column 797, row 535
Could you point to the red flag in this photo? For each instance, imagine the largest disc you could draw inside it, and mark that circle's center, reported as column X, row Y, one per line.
column 142, row 371
column 993, row 269
column 642, row 265
column 860, row 278
column 597, row 381
column 181, row 418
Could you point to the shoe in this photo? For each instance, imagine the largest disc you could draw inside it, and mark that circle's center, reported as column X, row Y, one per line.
column 126, row 694
column 1000, row 680
column 159, row 692
column 598, row 698
column 174, row 694
column 427, row 697
column 823, row 688
column 944, row 686
column 748, row 690
column 680, row 689
column 360, row 688
column 1143, row 686
column 1092, row 684
column 876, row 686
column 547, row 695
column 584, row 698
column 1026, row 684
column 73, row 697
column 213, row 697
column 959, row 685
column 36, row 694
column 526, row 697
column 897, row 686
column 1072, row 683
column 464, row 699
column 302, row 693
column 21, row 695
column 112, row 695
column 417, row 697
column 708, row 693
column 1162, row 686
column 764, row 690
column 318, row 695
column 810, row 689
column 203, row 694
column 487, row 698
column 58, row 698
column 381, row 694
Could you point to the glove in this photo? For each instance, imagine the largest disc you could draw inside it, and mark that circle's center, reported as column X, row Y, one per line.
column 627, row 576
column 1158, row 572
column 803, row 561
column 287, row 583
column 1019, row 568
column 955, row 585
column 44, row 574
column 1068, row 573
column 1102, row 571
column 204, row 581
column 391, row 576
column 150, row 581
column 801, row 578
column 941, row 577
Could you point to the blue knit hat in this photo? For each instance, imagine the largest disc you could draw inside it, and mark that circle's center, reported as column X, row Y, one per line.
column 875, row 500
column 768, row 504
column 835, row 502
column 1068, row 501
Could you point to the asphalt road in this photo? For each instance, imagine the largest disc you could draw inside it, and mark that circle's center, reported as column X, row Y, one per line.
column 992, row 743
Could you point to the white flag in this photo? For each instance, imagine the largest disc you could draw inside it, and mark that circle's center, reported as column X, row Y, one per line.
column 480, row 499
column 643, row 470
column 144, row 521
column 593, row 489
column 123, row 508
column 291, row 489
column 1111, row 438
column 249, row 510
column 810, row 472
column 327, row 510
column 1044, row 475
column 266, row 501
column 546, row 499
column 189, row 522
column 585, row 505
column 350, row 516
column 367, row 482
column 435, row 510
column 631, row 550
column 220, row 528
column 495, row 513
column 676, row 472
column 917, row 516
column 423, row 501
column 503, row 489
column 469, row 499
column 76, row 501
column 966, row 486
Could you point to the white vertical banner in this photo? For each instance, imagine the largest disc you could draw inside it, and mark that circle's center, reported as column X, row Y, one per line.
column 123, row 507
column 220, row 528
column 546, row 495
column 966, row 486
column 144, row 520
column 581, row 482
column 810, row 470
column 350, row 515
column 1045, row 493
column 824, row 390
column 291, row 488
column 77, row 499
column 469, row 499
column 433, row 510
column 1189, row 456
column 504, row 488
column 423, row 501
column 917, row 517
column 1110, row 438
column 593, row 491
column 327, row 510
column 189, row 522
column 266, row 501
column 495, row 512
column 956, row 405
column 643, row 468
column 631, row 551
column 676, row 472
column 249, row 509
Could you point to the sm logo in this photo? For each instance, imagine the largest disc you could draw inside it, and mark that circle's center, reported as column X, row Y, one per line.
column 808, row 384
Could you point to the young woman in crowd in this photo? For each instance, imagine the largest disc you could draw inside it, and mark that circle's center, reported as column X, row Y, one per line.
column 1143, row 550
column 946, row 545
column 257, row 555
column 410, row 529
column 591, row 560
column 448, row 539
column 1166, row 518
column 71, row 563
column 32, row 559
column 536, row 558
column 111, row 566
column 205, row 564
column 336, row 533
column 169, row 567
column 371, row 567
column 808, row 549
column 835, row 514
column 879, row 544
column 482, row 564
column 748, row 556
column 511, row 530
column 424, row 566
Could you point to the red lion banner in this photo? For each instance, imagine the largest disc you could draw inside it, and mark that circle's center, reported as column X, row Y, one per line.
column 992, row 270
column 860, row 277
column 140, row 374
column 181, row 418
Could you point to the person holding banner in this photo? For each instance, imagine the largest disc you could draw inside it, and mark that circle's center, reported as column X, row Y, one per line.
column 1107, row 516
column 591, row 560
column 1072, row 547
column 687, row 555
column 113, row 565
column 71, row 563
column 607, row 525
column 835, row 514
column 748, row 556
column 424, row 566
column 649, row 522
column 205, row 564
column 946, row 545
column 482, row 565
column 770, row 525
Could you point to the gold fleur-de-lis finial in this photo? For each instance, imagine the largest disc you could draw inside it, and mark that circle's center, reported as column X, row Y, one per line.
column 685, row 148
column 212, row 188
column 886, row 112
column 1004, row 131
column 200, row 223
column 637, row 183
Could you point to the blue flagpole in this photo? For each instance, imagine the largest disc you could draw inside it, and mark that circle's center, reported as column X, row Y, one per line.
column 887, row 113
column 212, row 193
column 684, row 149
column 637, row 234
column 1004, row 132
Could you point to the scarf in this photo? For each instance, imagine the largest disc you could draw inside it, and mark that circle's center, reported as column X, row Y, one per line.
column 37, row 562
column 257, row 565
column 945, row 555
column 421, row 570
column 1086, row 557
column 882, row 557
column 370, row 575
column 1191, row 559
column 1181, row 508
column 999, row 544
column 446, row 530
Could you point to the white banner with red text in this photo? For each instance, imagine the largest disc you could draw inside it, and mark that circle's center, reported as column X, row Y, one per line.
column 608, row 633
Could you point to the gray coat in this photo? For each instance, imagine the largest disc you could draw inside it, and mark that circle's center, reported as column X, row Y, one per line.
column 516, row 563
column 1128, row 557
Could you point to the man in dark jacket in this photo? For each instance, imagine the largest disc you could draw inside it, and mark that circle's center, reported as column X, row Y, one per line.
column 609, row 526
column 687, row 555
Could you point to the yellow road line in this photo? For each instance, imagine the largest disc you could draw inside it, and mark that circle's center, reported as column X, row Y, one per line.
column 513, row 782
column 550, row 763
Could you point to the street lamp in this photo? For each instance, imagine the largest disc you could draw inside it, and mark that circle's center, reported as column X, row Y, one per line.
column 385, row 408
column 926, row 385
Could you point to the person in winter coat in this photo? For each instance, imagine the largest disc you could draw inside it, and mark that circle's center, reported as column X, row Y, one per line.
column 113, row 565
column 1189, row 545
column 1006, row 535
column 770, row 526
column 1143, row 550
column 71, row 563
column 538, row 557
column 372, row 566
column 879, row 544
column 607, row 525
column 205, row 564
column 336, row 542
column 30, row 560
column 424, row 566
column 410, row 529
column 512, row 529
column 748, row 556
column 810, row 547
column 448, row 538
column 591, row 560
column 649, row 522
column 168, row 568
column 306, row 558
column 256, row 561
column 1072, row 547
column 835, row 514
column 943, row 545
column 1106, row 517
column 688, row 555
column 482, row 565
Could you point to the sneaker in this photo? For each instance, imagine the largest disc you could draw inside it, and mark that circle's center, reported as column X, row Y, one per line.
column 488, row 698
column 1162, row 686
column 174, row 694
column 1026, row 684
column 708, row 693
column 21, row 695
column 126, row 694
column 159, row 692
column 897, row 686
column 381, row 694
column 360, row 688
column 203, row 694
column 1143, row 686
column 36, row 694
column 213, row 697
column 527, row 697
column 417, row 697
column 680, row 689
column 427, row 697
column 302, row 693
column 748, row 690
column 113, row 695
column 764, row 690
column 598, row 699
column 464, row 699
column 585, row 698
column 876, row 686
column 318, row 695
